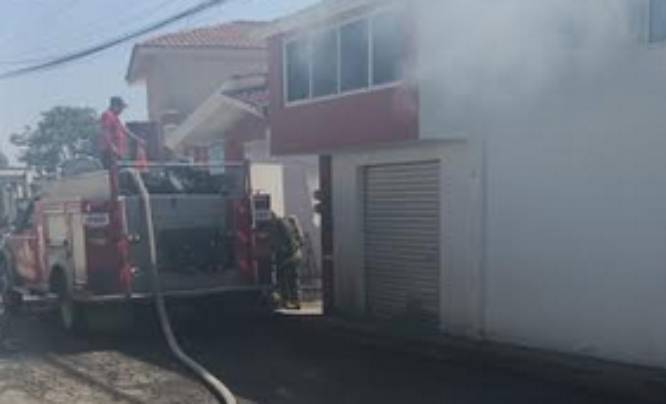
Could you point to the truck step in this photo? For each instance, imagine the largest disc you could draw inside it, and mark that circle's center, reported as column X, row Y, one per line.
column 37, row 303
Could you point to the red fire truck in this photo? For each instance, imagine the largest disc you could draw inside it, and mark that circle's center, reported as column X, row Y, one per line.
column 85, row 237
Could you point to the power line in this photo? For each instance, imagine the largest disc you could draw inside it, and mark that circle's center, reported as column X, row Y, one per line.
column 124, row 21
column 34, row 57
column 71, row 57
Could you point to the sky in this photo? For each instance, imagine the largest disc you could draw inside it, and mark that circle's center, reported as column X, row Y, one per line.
column 33, row 30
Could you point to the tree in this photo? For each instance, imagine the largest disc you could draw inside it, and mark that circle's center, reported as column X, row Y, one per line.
column 61, row 134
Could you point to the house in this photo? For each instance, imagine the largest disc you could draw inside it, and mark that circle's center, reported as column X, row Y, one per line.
column 492, row 170
column 207, row 90
column 181, row 70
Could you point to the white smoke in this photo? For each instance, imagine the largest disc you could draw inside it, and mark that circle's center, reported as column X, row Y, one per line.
column 517, row 47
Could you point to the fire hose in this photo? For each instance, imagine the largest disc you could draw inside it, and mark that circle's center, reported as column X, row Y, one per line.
column 221, row 392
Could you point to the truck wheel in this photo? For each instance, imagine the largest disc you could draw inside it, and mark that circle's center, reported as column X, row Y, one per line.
column 70, row 313
column 11, row 300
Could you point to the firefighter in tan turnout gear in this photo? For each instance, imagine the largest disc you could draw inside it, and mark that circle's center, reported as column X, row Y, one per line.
column 288, row 255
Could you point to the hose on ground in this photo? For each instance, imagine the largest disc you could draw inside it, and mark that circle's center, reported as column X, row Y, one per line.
column 221, row 392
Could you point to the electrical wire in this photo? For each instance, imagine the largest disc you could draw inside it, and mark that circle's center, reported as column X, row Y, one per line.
column 77, row 55
column 44, row 52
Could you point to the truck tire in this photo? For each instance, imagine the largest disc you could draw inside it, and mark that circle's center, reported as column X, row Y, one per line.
column 11, row 300
column 70, row 313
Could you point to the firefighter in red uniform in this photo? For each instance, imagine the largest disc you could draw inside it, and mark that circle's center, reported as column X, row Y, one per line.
column 112, row 143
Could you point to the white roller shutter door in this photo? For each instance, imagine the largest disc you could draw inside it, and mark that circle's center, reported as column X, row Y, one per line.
column 402, row 240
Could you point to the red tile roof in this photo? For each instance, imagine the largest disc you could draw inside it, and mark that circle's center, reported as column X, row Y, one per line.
column 238, row 35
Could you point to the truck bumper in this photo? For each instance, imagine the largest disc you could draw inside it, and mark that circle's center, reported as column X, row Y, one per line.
column 173, row 294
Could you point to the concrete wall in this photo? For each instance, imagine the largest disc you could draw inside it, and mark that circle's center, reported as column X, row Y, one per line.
column 268, row 178
column 460, row 288
column 572, row 221
column 182, row 80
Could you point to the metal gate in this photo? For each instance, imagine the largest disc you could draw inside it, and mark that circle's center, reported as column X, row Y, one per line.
column 402, row 241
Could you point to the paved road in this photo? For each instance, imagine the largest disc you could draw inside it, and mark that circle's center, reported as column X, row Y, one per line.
column 271, row 362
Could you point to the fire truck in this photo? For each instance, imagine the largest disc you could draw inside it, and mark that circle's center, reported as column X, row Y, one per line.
column 86, row 239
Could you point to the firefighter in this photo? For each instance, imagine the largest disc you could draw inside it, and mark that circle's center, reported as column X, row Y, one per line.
column 112, row 143
column 288, row 255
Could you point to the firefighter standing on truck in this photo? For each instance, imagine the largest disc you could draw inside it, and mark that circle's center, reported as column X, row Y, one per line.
column 112, row 143
column 287, row 248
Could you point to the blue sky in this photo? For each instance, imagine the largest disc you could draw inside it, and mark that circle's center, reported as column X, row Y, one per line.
column 37, row 29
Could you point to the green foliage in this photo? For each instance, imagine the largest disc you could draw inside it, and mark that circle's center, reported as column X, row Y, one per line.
column 61, row 134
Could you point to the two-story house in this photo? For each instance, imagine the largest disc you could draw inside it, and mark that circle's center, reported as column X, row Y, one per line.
column 181, row 70
column 493, row 169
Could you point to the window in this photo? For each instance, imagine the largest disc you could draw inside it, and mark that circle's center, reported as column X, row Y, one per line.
column 657, row 32
column 344, row 58
column 386, row 48
column 216, row 156
column 325, row 63
column 298, row 70
column 354, row 56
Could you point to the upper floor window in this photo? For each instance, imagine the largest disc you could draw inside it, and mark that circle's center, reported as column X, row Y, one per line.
column 325, row 63
column 355, row 55
column 657, row 30
column 386, row 48
column 297, row 57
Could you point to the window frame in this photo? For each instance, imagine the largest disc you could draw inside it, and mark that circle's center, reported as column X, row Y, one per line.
column 367, row 18
column 371, row 64
column 309, row 34
column 648, row 29
column 312, row 37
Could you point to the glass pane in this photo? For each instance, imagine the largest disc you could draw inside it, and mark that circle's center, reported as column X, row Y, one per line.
column 216, row 156
column 325, row 63
column 657, row 20
column 387, row 41
column 354, row 55
column 298, row 70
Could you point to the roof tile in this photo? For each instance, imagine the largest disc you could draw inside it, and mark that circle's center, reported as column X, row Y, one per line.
column 238, row 34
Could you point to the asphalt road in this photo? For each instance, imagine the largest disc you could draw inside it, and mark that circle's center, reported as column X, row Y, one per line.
column 262, row 362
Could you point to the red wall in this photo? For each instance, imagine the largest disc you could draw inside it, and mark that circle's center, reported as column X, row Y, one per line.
column 375, row 116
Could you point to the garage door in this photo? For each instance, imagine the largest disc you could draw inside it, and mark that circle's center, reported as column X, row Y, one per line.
column 402, row 240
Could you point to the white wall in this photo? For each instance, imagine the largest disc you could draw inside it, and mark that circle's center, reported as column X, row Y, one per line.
column 573, row 222
column 460, row 184
column 182, row 80
column 269, row 178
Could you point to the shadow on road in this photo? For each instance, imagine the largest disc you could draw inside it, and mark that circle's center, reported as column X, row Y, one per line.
column 271, row 360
